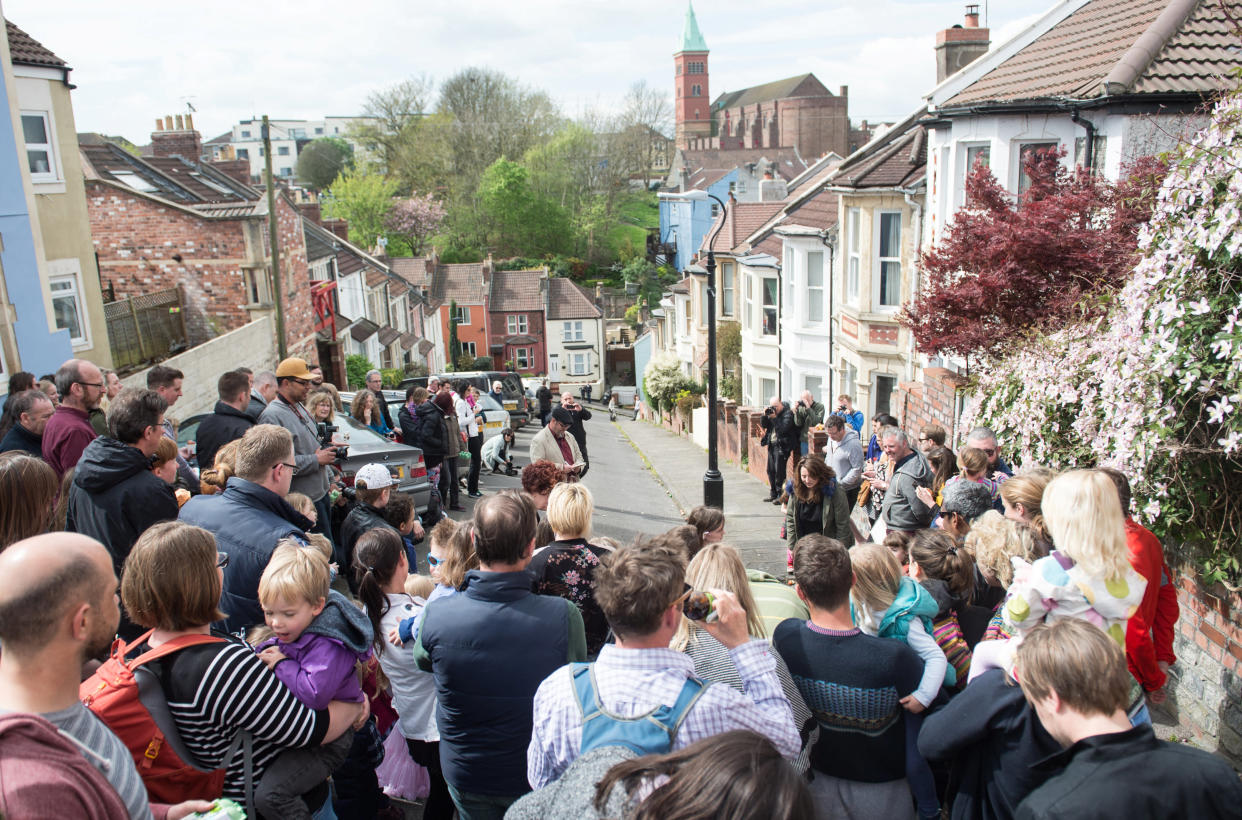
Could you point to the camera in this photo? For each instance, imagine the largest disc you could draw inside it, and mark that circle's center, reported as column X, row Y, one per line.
column 326, row 430
column 769, row 411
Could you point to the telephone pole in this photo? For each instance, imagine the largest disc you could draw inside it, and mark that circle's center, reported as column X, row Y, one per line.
column 272, row 228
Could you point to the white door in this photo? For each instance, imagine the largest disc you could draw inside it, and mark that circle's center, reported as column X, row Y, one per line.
column 554, row 368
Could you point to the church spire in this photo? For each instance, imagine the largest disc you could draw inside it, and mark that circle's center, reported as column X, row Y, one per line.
column 691, row 37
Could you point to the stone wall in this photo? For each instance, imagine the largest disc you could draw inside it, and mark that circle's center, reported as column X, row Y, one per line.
column 1205, row 685
column 252, row 345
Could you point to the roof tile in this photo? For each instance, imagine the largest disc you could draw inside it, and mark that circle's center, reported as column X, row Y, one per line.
column 516, row 290
column 568, row 301
column 26, row 50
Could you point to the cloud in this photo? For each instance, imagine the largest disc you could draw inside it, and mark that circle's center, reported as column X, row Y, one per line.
column 142, row 59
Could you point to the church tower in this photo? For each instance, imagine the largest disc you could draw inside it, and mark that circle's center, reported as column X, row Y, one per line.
column 692, row 102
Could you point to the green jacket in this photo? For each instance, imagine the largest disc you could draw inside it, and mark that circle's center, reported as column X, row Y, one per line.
column 834, row 518
column 808, row 417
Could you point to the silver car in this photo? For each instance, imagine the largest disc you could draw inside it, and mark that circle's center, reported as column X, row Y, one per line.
column 365, row 447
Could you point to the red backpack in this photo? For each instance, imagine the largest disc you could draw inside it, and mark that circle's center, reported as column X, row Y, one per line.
column 130, row 700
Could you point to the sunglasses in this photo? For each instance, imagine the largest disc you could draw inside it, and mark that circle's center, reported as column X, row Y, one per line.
column 433, row 561
column 222, row 559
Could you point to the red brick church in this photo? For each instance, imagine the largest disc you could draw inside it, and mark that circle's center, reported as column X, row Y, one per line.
column 798, row 112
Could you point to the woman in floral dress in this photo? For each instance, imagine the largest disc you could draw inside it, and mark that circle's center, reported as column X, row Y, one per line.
column 566, row 567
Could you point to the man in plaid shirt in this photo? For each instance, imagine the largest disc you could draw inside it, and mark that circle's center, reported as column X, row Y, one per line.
column 641, row 590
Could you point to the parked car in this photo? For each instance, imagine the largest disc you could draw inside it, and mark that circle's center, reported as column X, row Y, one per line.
column 365, row 447
column 514, row 397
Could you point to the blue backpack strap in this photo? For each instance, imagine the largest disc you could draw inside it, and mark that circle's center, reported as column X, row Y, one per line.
column 671, row 717
column 584, row 687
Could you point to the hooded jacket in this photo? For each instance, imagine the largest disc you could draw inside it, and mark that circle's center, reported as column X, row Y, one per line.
column 781, row 429
column 115, row 497
column 361, row 518
column 226, row 424
column 902, row 509
column 248, row 520
column 44, row 773
column 325, row 655
column 432, row 432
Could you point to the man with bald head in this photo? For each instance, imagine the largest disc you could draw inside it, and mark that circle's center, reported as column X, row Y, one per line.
column 81, row 387
column 58, row 609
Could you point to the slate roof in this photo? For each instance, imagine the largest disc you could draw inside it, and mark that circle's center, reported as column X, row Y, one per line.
column 461, row 283
column 1111, row 47
column 568, row 301
column 412, row 269
column 375, row 278
column 741, row 219
column 900, row 163
column 26, row 50
column 803, row 85
column 319, row 243
column 516, row 290
column 172, row 178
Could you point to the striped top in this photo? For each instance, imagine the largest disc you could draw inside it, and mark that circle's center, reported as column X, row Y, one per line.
column 107, row 753
column 216, row 689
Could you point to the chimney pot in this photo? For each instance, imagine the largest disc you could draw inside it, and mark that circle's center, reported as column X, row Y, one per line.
column 159, row 123
column 972, row 15
column 180, row 122
column 168, row 123
column 189, row 122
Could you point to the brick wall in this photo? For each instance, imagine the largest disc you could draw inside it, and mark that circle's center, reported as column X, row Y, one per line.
column 882, row 335
column 1205, row 685
column 144, row 246
column 295, row 281
column 933, row 399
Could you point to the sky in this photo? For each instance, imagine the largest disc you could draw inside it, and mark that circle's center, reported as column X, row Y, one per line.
column 137, row 60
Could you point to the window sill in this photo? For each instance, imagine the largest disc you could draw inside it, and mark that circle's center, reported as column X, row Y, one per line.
column 51, row 186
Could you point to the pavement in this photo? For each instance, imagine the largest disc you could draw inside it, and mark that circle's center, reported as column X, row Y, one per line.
column 751, row 523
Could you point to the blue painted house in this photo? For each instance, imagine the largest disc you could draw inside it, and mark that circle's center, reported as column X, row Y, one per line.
column 28, row 340
column 687, row 215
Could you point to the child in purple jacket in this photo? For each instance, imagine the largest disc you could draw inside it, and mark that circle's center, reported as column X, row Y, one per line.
column 319, row 638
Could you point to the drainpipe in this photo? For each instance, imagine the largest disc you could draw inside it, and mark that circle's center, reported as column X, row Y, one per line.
column 916, row 218
column 1088, row 155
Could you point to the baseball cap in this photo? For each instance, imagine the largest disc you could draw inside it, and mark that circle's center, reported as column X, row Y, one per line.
column 562, row 415
column 373, row 477
column 293, row 368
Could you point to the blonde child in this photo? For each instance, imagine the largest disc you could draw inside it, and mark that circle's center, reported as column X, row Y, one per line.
column 419, row 587
column 304, row 505
column 889, row 604
column 1088, row 576
column 319, row 638
column 972, row 464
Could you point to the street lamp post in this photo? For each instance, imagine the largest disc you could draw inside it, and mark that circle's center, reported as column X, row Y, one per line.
column 713, row 481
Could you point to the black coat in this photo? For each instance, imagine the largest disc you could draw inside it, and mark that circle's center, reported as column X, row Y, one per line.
column 360, row 519
column 256, row 407
column 226, row 424
column 431, row 432
column 1132, row 774
column 408, row 423
column 780, row 429
column 19, row 438
column 991, row 737
column 115, row 497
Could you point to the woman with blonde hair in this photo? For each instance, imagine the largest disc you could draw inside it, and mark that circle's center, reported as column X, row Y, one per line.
column 719, row 566
column 215, row 477
column 566, row 567
column 998, row 543
column 1088, row 576
column 1023, row 497
column 320, row 406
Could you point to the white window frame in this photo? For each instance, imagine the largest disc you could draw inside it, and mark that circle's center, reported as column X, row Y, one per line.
column 463, row 315
column 469, row 348
column 853, row 258
column 748, row 302
column 573, row 331
column 522, row 357
column 774, row 307
column 878, row 261
column 62, row 272
column 49, row 147
column 815, row 293
column 1018, row 148
column 516, row 323
column 727, row 306
column 767, row 389
column 579, row 363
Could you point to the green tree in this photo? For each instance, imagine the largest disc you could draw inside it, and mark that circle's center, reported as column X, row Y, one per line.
column 323, row 160
column 356, row 368
column 515, row 218
column 364, row 199
column 454, row 344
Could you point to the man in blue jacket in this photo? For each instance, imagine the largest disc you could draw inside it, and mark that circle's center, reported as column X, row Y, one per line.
column 489, row 648
column 250, row 518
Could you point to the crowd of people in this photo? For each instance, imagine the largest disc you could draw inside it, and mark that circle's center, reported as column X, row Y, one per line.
column 958, row 640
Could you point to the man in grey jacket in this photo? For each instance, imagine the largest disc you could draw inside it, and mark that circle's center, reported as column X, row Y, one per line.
column 844, row 455
column 311, row 477
column 902, row 509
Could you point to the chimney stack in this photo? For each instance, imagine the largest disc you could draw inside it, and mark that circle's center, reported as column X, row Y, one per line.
column 182, row 141
column 959, row 46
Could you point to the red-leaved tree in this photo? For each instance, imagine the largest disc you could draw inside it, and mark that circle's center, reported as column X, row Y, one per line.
column 415, row 220
column 1003, row 269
